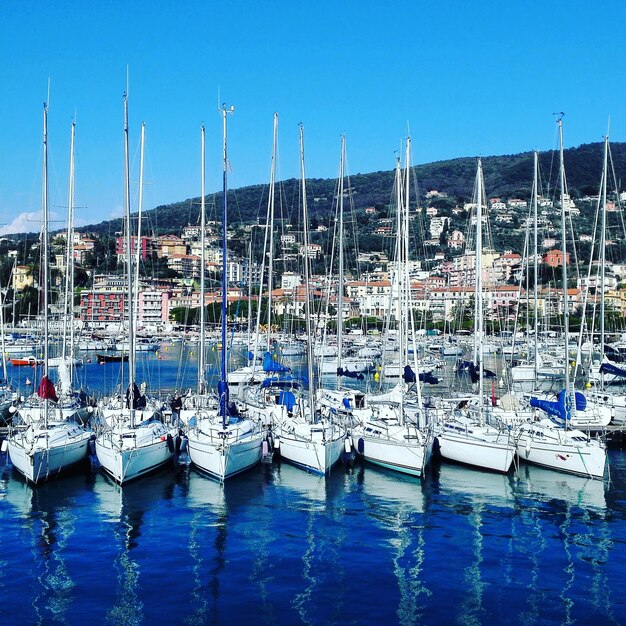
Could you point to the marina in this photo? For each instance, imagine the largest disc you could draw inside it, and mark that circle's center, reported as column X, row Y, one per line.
column 283, row 546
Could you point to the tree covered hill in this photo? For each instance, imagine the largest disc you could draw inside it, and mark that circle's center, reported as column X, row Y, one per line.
column 506, row 176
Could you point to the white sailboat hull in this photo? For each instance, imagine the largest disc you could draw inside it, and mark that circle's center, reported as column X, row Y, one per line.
column 401, row 449
column 316, row 456
column 40, row 454
column 491, row 455
column 223, row 453
column 561, row 450
column 127, row 453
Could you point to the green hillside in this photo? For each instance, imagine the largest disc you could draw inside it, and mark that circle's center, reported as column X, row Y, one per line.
column 505, row 176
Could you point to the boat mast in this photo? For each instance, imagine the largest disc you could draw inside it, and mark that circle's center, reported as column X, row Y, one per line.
column 269, row 234
column 137, row 250
column 201, row 347
column 564, row 266
column 409, row 299
column 44, row 257
column 223, row 383
column 605, row 175
column 340, row 286
column 536, row 258
column 2, row 341
column 129, row 274
column 479, row 284
column 398, row 270
column 307, row 278
column 270, row 257
column 69, row 262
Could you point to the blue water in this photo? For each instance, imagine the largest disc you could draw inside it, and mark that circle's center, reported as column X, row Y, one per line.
column 280, row 546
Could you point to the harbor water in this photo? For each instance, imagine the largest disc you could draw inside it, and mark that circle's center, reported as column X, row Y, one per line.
column 278, row 545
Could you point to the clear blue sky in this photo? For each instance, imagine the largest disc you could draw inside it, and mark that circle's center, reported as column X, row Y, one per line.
column 468, row 78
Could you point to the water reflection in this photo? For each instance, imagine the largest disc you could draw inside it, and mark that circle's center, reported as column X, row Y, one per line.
column 483, row 502
column 47, row 516
column 307, row 493
column 206, row 498
column 397, row 503
column 125, row 508
column 565, row 530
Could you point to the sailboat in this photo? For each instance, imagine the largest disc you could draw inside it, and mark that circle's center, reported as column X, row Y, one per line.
column 464, row 436
column 552, row 442
column 70, row 404
column 304, row 436
column 605, row 373
column 132, row 443
column 51, row 444
column 221, row 442
column 390, row 429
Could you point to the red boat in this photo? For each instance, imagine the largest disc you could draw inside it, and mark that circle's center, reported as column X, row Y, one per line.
column 27, row 361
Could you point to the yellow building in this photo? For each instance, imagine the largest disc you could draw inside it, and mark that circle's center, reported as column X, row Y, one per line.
column 22, row 278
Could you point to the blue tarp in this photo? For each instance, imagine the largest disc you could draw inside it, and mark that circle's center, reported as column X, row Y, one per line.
column 557, row 408
column 609, row 368
column 348, row 374
column 409, row 374
column 269, row 365
column 427, row 377
column 287, row 398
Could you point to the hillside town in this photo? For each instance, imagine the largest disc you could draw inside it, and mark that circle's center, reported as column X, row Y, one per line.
column 442, row 278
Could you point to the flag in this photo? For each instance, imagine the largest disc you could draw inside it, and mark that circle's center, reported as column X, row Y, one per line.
column 46, row 390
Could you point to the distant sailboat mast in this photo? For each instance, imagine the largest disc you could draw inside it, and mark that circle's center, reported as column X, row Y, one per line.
column 479, row 285
column 223, row 383
column 307, row 278
column 568, row 414
column 605, row 174
column 44, row 261
column 536, row 261
column 269, row 249
column 129, row 274
column 137, row 250
column 340, row 286
column 69, row 263
column 270, row 256
column 201, row 347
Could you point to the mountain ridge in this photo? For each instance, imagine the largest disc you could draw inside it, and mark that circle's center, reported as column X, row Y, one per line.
column 508, row 176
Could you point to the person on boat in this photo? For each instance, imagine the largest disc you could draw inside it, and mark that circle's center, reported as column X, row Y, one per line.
column 176, row 405
column 136, row 394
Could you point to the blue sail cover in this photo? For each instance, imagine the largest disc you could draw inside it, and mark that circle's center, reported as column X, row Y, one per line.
column 427, row 377
column 609, row 368
column 348, row 374
column 288, row 399
column 269, row 365
column 558, row 408
column 409, row 374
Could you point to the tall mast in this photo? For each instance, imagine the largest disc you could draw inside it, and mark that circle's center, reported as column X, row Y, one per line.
column 44, row 254
column 398, row 268
column 129, row 272
column 2, row 342
column 202, row 259
column 536, row 259
column 605, row 174
column 479, row 282
column 409, row 298
column 223, row 383
column 269, row 234
column 270, row 256
column 137, row 250
column 69, row 261
column 340, row 286
column 564, row 246
column 307, row 279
